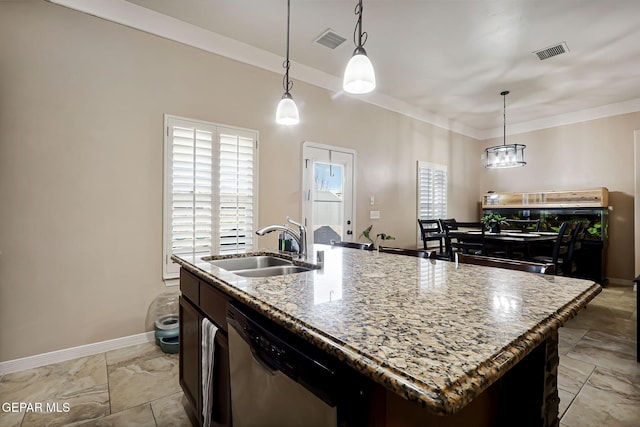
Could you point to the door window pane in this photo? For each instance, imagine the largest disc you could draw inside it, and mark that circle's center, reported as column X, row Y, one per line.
column 328, row 202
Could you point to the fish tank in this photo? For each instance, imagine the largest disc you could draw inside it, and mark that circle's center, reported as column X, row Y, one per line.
column 553, row 207
column 595, row 219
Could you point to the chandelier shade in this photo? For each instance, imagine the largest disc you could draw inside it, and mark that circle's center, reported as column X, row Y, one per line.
column 505, row 155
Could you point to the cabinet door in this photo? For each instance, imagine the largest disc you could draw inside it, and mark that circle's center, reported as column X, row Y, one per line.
column 222, row 400
column 190, row 361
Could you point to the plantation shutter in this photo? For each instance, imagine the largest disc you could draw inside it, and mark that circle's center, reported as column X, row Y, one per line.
column 191, row 191
column 432, row 192
column 235, row 210
column 210, row 190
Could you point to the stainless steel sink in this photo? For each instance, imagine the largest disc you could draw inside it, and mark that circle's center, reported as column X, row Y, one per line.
column 250, row 262
column 258, row 266
column 271, row 271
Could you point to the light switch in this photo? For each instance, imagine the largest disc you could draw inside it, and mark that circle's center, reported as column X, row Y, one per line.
column 374, row 214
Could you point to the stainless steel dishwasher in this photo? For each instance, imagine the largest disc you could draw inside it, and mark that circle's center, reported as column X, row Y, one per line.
column 275, row 382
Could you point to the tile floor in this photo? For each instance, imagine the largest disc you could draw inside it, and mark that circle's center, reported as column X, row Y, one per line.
column 598, row 379
column 598, row 376
column 133, row 386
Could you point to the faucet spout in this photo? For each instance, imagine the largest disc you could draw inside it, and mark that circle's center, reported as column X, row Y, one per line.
column 271, row 228
column 300, row 237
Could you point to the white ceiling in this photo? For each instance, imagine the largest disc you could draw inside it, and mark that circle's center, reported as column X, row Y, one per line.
column 441, row 61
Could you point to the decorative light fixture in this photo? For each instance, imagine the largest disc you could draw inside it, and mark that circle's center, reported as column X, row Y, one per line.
column 505, row 156
column 287, row 111
column 359, row 76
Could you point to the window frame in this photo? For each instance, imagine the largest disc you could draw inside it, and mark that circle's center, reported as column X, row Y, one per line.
column 170, row 270
column 443, row 208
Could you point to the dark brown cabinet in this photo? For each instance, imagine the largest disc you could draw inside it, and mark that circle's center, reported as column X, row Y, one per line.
column 190, row 361
column 221, row 415
column 213, row 307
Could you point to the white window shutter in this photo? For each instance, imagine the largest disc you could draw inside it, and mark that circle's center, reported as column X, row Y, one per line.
column 209, row 190
column 236, row 218
column 432, row 192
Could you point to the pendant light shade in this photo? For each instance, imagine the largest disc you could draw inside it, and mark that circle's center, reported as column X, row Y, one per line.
column 505, row 155
column 359, row 76
column 287, row 111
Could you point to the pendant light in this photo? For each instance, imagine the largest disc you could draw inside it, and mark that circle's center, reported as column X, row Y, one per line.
column 359, row 76
column 287, row 111
column 505, row 155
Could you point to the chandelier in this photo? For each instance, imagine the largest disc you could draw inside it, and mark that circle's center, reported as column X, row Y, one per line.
column 505, row 155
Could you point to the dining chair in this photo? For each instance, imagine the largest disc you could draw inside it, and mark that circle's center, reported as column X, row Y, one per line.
column 430, row 230
column 466, row 237
column 511, row 264
column 560, row 248
column 353, row 245
column 575, row 246
column 408, row 252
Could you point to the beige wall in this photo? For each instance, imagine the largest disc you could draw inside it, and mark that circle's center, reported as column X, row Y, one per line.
column 81, row 113
column 598, row 153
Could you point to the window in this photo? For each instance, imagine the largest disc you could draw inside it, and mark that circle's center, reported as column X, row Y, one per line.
column 210, row 189
column 432, row 193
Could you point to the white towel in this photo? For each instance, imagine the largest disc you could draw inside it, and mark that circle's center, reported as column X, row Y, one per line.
column 208, row 359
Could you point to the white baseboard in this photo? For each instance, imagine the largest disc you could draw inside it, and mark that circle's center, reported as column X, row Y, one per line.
column 73, row 353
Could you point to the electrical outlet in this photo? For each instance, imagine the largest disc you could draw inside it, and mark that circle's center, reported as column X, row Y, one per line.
column 374, row 214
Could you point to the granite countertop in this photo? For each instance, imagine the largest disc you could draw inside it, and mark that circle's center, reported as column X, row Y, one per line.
column 428, row 330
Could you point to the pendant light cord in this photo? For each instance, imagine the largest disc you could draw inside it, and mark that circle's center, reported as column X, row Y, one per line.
column 358, row 34
column 285, row 81
column 504, row 116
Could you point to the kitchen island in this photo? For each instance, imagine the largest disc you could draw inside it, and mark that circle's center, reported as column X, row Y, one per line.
column 439, row 344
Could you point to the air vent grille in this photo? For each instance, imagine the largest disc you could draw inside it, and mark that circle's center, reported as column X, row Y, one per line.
column 551, row 51
column 330, row 39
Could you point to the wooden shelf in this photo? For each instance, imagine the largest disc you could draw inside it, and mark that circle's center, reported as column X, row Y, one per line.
column 581, row 198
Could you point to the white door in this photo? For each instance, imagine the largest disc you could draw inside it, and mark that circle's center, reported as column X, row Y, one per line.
column 328, row 193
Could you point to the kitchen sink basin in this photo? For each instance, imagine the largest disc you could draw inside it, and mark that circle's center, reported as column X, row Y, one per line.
column 271, row 271
column 250, row 262
column 258, row 266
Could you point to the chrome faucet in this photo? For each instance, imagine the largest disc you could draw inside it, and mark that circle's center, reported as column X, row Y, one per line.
column 300, row 237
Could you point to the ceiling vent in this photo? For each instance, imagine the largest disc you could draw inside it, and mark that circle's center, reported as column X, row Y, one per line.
column 552, row 51
column 330, row 39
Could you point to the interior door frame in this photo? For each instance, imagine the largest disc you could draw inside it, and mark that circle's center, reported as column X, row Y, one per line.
column 310, row 144
column 636, row 202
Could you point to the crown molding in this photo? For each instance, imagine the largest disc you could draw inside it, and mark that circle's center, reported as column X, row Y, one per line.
column 580, row 116
column 152, row 22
